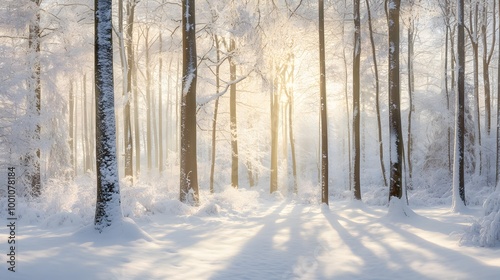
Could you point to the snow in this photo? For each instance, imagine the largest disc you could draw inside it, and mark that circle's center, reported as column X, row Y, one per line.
column 247, row 234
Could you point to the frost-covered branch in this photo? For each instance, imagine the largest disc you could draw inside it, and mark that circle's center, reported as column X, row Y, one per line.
column 219, row 94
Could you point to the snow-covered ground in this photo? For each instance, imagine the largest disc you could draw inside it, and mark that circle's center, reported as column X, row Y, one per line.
column 248, row 235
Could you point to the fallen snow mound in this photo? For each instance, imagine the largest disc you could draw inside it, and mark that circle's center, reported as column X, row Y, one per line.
column 121, row 231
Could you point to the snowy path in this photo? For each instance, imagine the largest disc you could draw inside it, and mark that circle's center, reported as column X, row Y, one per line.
column 279, row 240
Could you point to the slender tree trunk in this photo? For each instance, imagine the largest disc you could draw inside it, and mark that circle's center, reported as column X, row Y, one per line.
column 396, row 145
column 214, row 120
column 32, row 159
column 177, row 104
column 188, row 168
column 458, row 165
column 290, row 123
column 72, row 128
column 377, row 94
column 86, row 130
column 497, row 173
column 154, row 128
column 148, row 104
column 123, row 63
column 232, row 113
column 411, row 92
column 446, row 88
column 346, row 95
column 168, row 120
column 160, row 110
column 131, row 92
column 108, row 208
column 356, row 110
column 323, row 106
column 474, row 37
column 274, row 136
column 486, row 62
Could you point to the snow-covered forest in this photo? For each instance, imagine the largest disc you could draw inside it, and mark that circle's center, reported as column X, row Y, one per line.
column 277, row 139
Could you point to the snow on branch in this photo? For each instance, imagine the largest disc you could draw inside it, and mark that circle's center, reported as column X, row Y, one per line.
column 213, row 97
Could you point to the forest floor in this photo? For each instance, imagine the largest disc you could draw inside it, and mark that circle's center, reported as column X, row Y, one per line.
column 271, row 238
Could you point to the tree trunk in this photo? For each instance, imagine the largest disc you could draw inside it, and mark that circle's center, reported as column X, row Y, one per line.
column 127, row 124
column 323, row 107
column 486, row 62
column 497, row 173
column 32, row 159
column 160, row 110
column 346, row 95
column 274, row 137
column 188, row 168
column 108, row 208
column 474, row 37
column 148, row 103
column 458, row 164
column 214, row 120
column 396, row 144
column 290, row 123
column 356, row 111
column 86, row 129
column 411, row 92
column 131, row 91
column 377, row 94
column 177, row 127
column 72, row 128
column 447, row 92
column 232, row 113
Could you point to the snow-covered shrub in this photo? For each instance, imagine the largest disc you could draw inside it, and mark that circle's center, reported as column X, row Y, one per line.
column 485, row 232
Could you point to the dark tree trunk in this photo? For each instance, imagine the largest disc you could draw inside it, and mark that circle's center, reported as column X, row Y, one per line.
column 323, row 107
column 189, row 166
column 108, row 189
column 458, row 166
column 356, row 110
column 395, row 132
